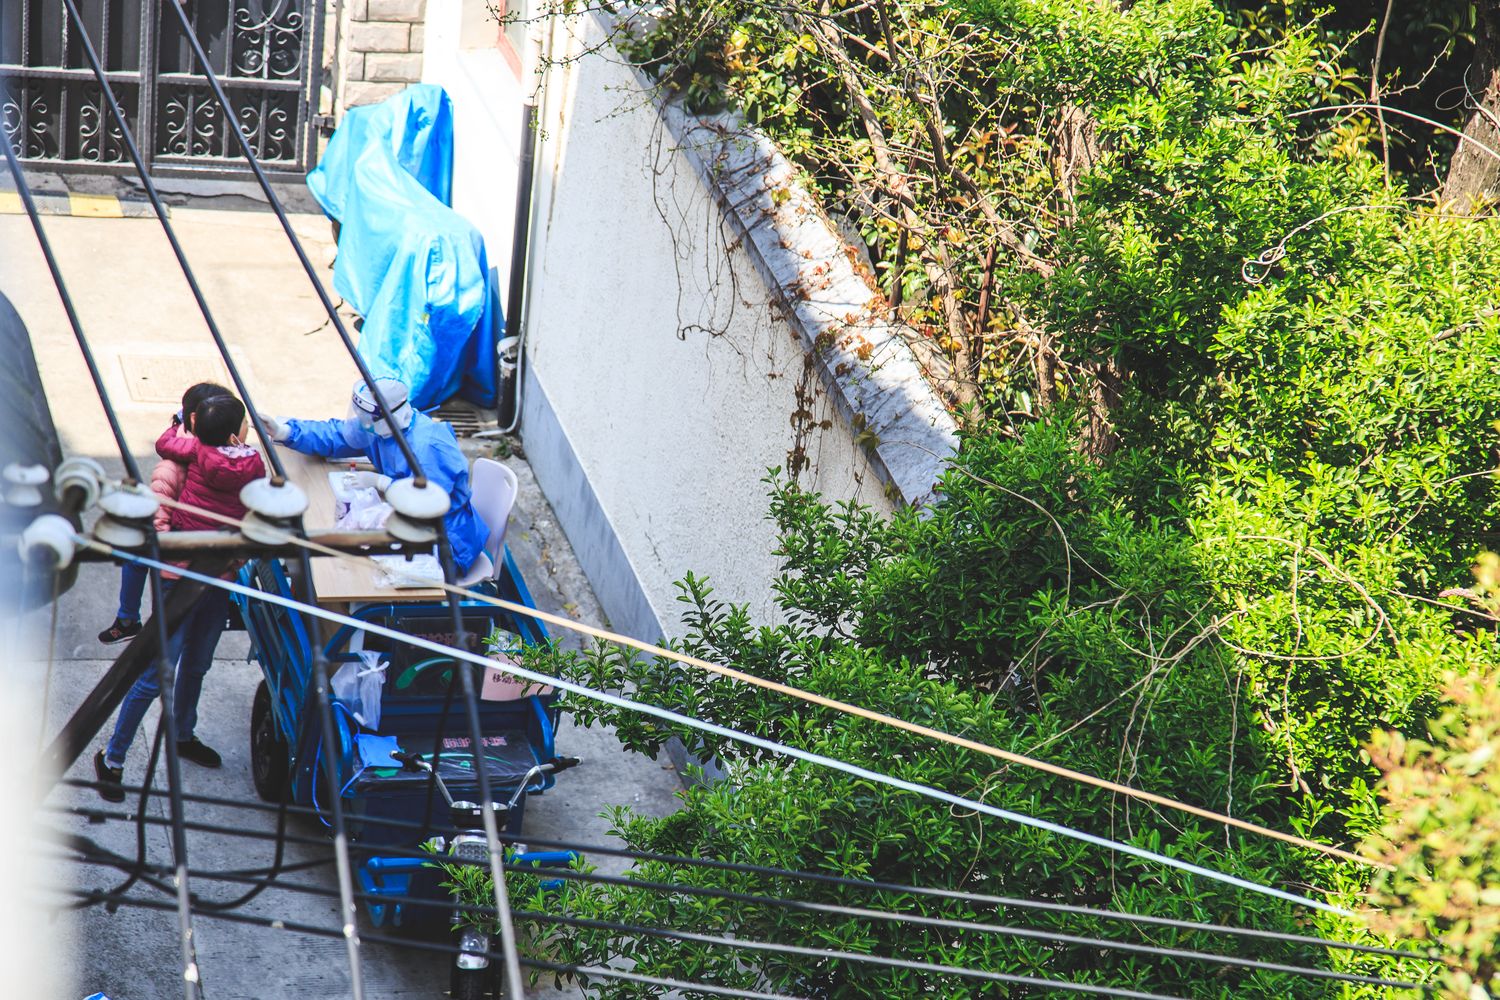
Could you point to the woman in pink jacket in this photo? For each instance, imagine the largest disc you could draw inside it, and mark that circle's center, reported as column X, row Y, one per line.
column 219, row 465
column 167, row 480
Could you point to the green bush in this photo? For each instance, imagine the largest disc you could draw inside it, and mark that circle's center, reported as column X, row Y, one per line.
column 1443, row 836
column 1042, row 616
column 1221, row 605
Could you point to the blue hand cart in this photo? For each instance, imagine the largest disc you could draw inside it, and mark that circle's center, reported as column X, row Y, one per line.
column 403, row 817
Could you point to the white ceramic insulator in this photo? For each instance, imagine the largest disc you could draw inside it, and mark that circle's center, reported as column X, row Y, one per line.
column 23, row 484
column 407, row 530
column 49, row 533
column 119, row 534
column 266, row 532
column 274, row 503
column 83, row 473
column 129, row 504
column 417, row 503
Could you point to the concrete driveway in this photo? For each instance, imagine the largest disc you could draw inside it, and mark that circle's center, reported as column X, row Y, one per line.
column 151, row 343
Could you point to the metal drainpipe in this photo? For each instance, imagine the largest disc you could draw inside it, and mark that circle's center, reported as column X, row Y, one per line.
column 333, row 67
column 509, row 390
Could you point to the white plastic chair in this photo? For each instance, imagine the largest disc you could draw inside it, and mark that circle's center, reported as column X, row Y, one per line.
column 494, row 489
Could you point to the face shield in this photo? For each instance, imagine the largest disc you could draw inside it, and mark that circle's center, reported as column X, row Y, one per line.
column 364, row 409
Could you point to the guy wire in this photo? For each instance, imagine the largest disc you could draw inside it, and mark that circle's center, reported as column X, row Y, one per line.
column 732, row 734
column 843, row 707
column 915, row 919
column 841, row 881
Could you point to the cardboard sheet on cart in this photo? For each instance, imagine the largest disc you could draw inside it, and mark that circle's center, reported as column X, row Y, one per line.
column 339, row 581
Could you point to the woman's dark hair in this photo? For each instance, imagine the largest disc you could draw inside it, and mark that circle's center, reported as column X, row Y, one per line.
column 198, row 393
column 217, row 419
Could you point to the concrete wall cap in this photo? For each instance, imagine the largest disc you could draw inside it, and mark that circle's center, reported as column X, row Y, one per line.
column 864, row 359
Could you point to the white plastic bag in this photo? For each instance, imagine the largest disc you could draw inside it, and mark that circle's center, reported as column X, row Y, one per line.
column 360, row 685
column 420, row 571
column 367, row 512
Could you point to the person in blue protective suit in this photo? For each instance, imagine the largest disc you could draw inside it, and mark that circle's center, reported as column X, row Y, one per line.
column 365, row 432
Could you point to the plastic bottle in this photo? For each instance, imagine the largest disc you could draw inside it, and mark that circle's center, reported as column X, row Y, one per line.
column 343, row 494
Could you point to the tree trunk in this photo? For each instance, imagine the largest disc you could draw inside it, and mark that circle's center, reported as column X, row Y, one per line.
column 1474, row 172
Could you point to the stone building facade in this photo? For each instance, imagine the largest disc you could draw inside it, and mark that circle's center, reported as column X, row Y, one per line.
column 380, row 45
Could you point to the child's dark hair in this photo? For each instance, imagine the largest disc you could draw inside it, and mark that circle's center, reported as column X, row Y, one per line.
column 198, row 393
column 217, row 419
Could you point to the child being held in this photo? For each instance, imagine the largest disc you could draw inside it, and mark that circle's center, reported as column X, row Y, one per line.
column 219, row 464
column 166, row 482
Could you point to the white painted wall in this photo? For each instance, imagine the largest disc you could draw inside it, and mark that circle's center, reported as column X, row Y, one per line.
column 661, row 376
column 487, row 100
column 668, row 373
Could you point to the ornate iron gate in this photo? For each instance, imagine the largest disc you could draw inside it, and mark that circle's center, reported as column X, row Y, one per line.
column 267, row 53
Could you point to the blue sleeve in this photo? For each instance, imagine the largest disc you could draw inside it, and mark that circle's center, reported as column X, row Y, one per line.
column 452, row 469
column 329, row 438
column 444, row 461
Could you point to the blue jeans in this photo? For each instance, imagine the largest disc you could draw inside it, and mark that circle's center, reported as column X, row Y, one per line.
column 191, row 648
column 132, row 585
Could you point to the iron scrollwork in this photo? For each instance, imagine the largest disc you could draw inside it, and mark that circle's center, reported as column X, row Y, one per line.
column 269, row 46
column 100, row 138
column 260, row 47
column 27, row 117
column 191, row 123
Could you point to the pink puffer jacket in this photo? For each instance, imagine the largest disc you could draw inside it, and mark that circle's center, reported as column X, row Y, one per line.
column 167, row 480
column 215, row 476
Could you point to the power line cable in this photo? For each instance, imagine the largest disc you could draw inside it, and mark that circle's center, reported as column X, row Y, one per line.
column 469, row 694
column 766, row 947
column 237, row 129
column 319, row 695
column 944, row 923
column 297, row 927
column 866, row 885
column 830, row 954
column 449, row 574
column 191, row 974
column 445, row 555
column 848, row 708
column 127, row 137
column 808, row 906
column 821, row 760
column 633, row 977
column 340, row 842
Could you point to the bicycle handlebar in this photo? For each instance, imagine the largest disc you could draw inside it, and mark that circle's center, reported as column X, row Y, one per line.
column 412, row 761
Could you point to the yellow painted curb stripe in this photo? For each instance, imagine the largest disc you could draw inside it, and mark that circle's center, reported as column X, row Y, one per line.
column 10, row 203
column 96, row 206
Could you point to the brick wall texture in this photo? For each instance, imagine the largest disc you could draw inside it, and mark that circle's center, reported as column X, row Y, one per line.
column 380, row 49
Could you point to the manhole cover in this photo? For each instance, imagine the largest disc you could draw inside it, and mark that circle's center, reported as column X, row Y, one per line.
column 163, row 378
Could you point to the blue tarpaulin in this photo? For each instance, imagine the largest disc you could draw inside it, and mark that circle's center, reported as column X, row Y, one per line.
column 411, row 266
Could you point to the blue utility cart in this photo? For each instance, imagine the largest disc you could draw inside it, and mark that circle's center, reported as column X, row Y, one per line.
column 384, row 774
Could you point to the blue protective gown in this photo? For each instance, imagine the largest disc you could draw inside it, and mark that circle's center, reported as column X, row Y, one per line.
column 435, row 447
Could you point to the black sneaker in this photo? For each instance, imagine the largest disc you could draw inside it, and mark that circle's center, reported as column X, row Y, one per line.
column 110, row 789
column 120, row 631
column 199, row 753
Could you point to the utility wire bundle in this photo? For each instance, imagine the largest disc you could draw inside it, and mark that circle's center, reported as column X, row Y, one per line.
column 183, row 887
